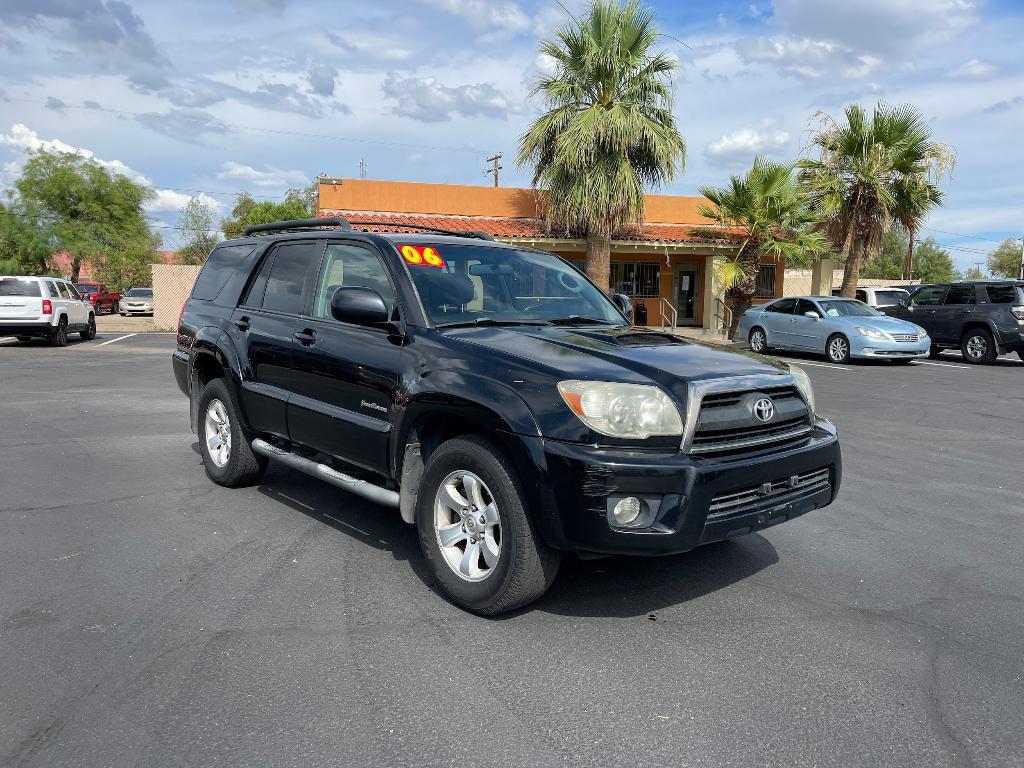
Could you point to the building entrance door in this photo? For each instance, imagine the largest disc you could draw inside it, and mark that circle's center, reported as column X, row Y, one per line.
column 686, row 294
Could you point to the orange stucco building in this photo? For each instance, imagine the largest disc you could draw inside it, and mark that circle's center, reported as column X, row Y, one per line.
column 664, row 266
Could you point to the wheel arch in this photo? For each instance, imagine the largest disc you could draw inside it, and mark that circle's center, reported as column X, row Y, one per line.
column 210, row 357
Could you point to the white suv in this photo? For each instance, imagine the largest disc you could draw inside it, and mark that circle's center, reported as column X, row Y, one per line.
column 44, row 307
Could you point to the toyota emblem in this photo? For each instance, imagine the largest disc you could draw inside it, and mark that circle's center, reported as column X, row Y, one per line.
column 764, row 409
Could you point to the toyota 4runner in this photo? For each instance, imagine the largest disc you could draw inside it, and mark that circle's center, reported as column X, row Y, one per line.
column 494, row 396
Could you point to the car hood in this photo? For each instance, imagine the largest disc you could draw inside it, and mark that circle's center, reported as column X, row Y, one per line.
column 617, row 354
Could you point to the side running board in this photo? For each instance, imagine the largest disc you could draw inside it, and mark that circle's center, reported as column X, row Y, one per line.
column 359, row 487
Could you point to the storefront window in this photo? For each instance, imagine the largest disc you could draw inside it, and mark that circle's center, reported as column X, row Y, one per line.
column 641, row 279
column 766, row 282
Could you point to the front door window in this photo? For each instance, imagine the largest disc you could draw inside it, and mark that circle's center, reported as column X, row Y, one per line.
column 686, row 294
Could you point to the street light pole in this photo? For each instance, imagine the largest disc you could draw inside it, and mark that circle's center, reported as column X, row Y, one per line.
column 1021, row 274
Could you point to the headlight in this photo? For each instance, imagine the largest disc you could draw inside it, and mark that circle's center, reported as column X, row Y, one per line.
column 803, row 383
column 871, row 333
column 622, row 410
column 922, row 335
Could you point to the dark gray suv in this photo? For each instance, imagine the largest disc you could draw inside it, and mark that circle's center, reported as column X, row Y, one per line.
column 983, row 318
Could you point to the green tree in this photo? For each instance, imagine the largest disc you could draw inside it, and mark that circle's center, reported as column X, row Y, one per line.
column 128, row 266
column 198, row 231
column 889, row 261
column 932, row 263
column 769, row 206
column 1005, row 260
column 247, row 211
column 974, row 273
column 24, row 248
column 871, row 173
column 84, row 208
column 608, row 131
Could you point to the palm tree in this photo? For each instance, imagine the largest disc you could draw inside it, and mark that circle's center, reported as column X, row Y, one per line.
column 608, row 132
column 871, row 173
column 771, row 211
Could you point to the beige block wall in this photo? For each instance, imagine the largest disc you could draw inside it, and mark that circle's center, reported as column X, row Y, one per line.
column 172, row 284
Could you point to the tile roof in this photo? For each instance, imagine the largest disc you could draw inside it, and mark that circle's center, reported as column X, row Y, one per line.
column 516, row 228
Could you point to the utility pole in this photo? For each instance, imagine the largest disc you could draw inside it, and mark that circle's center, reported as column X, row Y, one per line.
column 362, row 168
column 908, row 268
column 495, row 168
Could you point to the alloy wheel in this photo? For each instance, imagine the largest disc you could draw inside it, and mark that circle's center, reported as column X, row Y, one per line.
column 838, row 349
column 467, row 525
column 977, row 346
column 757, row 341
column 218, row 433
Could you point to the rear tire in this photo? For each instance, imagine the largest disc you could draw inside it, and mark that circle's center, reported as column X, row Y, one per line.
column 837, row 348
column 517, row 566
column 1020, row 354
column 90, row 331
column 758, row 341
column 115, row 308
column 227, row 450
column 59, row 335
column 978, row 347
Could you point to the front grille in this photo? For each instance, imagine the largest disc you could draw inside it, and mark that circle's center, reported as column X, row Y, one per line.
column 739, row 502
column 904, row 338
column 725, row 399
column 708, row 441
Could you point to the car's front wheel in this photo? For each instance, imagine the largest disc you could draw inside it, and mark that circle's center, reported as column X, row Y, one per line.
column 758, row 341
column 978, row 347
column 227, row 453
column 838, row 348
column 475, row 529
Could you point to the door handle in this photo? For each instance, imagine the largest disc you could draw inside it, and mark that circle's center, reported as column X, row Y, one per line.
column 242, row 323
column 306, row 337
column 932, row 311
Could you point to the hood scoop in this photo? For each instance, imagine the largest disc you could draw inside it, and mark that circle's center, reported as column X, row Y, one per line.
column 647, row 339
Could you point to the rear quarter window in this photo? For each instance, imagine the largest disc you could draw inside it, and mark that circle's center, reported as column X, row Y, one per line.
column 1003, row 294
column 224, row 263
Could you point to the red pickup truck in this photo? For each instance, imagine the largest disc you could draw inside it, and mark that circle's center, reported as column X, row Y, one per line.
column 101, row 299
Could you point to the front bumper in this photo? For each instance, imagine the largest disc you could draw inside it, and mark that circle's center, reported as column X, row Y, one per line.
column 42, row 328
column 865, row 347
column 748, row 493
column 138, row 310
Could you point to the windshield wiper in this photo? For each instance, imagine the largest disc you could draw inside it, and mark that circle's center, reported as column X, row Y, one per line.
column 581, row 320
column 488, row 321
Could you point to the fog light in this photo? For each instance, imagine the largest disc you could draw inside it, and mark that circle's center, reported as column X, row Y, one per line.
column 627, row 510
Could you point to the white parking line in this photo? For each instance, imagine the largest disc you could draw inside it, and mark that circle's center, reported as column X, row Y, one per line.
column 119, row 338
column 816, row 365
column 941, row 365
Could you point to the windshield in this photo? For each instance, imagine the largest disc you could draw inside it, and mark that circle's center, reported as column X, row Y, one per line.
column 13, row 286
column 140, row 293
column 481, row 284
column 847, row 308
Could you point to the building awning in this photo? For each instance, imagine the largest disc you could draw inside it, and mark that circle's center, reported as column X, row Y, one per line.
column 509, row 228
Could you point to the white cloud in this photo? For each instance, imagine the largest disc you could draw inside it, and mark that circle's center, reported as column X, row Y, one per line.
column 806, row 58
column 743, row 144
column 507, row 18
column 172, row 201
column 232, row 171
column 426, row 99
column 975, row 69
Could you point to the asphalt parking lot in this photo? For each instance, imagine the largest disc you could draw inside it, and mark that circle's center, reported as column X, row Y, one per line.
column 150, row 618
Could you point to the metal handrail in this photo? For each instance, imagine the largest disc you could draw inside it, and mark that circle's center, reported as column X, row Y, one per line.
column 726, row 314
column 674, row 313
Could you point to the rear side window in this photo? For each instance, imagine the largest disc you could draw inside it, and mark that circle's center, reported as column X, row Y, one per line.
column 1002, row 294
column 65, row 291
column 14, row 286
column 222, row 264
column 785, row 306
column 960, row 294
column 286, row 282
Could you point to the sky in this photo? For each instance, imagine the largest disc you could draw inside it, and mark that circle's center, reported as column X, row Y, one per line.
column 209, row 98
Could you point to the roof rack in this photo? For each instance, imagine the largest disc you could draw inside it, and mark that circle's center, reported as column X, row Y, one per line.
column 479, row 234
column 298, row 225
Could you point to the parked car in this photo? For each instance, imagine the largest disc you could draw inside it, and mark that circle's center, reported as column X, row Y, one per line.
column 100, row 297
column 137, row 301
column 878, row 297
column 44, row 307
column 983, row 318
column 839, row 328
column 494, row 396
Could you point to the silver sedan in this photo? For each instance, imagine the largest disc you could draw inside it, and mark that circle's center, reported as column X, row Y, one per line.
column 137, row 301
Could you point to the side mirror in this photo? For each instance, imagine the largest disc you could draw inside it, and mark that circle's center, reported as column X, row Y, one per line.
column 903, row 301
column 812, row 314
column 359, row 306
column 625, row 306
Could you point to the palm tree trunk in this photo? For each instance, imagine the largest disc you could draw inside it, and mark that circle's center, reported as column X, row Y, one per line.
column 745, row 290
column 76, row 268
column 599, row 254
column 851, row 271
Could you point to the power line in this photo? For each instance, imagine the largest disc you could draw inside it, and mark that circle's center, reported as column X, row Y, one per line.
column 961, row 234
column 274, row 131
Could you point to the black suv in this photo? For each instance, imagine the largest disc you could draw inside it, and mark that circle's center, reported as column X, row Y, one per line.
column 983, row 318
column 495, row 396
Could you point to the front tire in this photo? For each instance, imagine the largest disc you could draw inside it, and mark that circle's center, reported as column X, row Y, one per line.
column 758, row 341
column 978, row 347
column 838, row 348
column 59, row 336
column 90, row 330
column 475, row 530
column 227, row 451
